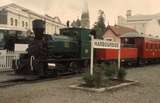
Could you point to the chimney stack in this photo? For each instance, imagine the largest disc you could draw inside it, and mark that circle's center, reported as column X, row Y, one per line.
column 129, row 13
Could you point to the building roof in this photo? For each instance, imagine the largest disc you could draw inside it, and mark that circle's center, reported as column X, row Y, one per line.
column 120, row 30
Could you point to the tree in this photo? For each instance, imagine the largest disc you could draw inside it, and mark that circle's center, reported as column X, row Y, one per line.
column 99, row 26
column 76, row 23
column 73, row 24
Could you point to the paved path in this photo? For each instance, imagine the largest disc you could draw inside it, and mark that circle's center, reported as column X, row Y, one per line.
column 57, row 91
column 4, row 76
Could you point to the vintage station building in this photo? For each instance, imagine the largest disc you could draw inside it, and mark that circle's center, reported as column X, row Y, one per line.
column 113, row 33
column 13, row 15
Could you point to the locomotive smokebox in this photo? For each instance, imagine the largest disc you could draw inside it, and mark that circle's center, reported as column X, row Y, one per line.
column 38, row 28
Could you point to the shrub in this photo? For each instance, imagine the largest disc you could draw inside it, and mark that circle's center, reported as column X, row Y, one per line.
column 98, row 74
column 89, row 80
column 110, row 71
column 121, row 74
column 94, row 80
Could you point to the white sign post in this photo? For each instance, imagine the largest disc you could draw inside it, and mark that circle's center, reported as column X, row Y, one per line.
column 92, row 52
column 103, row 44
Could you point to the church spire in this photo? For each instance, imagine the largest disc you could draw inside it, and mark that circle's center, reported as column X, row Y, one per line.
column 85, row 22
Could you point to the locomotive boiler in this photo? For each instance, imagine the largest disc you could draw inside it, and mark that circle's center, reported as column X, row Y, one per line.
column 53, row 55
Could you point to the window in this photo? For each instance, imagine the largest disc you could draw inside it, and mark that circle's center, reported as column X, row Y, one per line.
column 22, row 23
column 16, row 22
column 3, row 17
column 26, row 24
column 11, row 20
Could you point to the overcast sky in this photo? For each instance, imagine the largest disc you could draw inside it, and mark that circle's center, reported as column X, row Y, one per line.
column 71, row 9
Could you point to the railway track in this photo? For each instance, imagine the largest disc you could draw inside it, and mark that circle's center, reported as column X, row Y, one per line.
column 14, row 82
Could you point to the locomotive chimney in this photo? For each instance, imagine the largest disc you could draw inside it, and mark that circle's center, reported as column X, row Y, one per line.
column 38, row 28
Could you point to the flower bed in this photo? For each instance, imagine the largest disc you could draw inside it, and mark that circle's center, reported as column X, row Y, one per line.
column 111, row 85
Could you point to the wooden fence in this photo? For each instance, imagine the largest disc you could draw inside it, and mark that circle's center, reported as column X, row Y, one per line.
column 6, row 59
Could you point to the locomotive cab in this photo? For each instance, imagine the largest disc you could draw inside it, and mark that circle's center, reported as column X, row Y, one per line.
column 81, row 35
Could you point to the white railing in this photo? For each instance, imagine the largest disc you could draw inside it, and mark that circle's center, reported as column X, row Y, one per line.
column 6, row 59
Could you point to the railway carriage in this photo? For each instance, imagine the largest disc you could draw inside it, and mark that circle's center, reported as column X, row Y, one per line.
column 109, row 56
column 148, row 47
column 135, row 49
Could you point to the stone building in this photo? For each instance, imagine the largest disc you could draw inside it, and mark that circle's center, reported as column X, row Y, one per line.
column 144, row 24
column 13, row 15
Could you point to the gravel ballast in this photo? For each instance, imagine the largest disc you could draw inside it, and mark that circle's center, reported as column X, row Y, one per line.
column 57, row 91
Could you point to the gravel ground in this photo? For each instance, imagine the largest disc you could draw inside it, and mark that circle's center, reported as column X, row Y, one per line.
column 57, row 91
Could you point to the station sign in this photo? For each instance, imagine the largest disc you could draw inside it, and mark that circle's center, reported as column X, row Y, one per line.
column 104, row 44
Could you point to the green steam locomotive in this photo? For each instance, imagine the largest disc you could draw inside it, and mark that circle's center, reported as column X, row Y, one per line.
column 68, row 52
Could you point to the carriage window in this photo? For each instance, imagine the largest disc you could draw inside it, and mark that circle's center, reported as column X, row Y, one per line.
column 128, row 42
column 151, row 46
column 146, row 45
column 156, row 46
